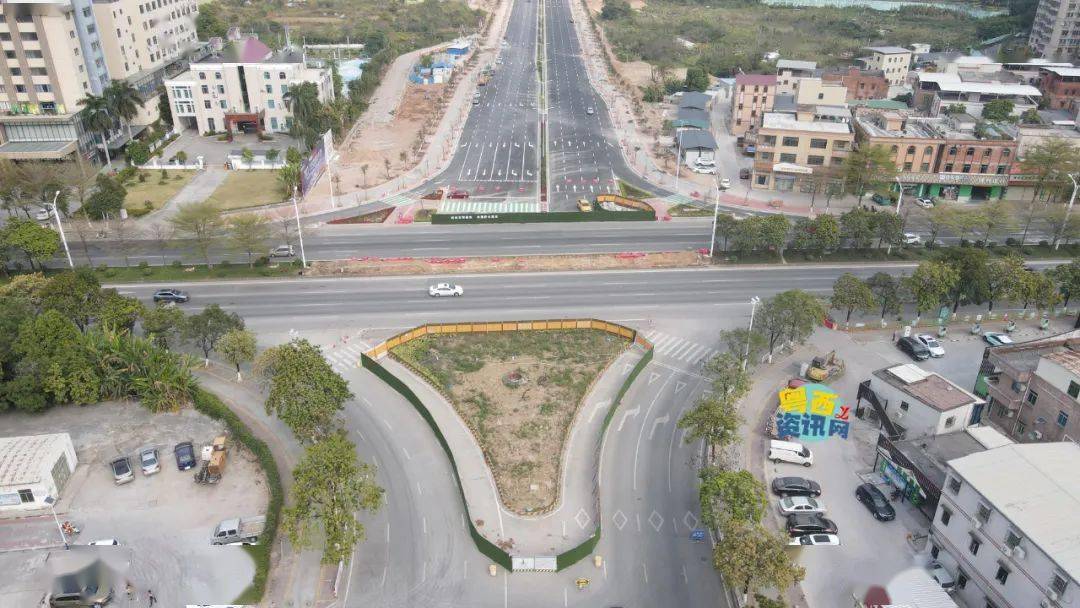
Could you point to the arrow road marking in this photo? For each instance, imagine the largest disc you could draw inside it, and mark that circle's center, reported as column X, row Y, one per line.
column 657, row 422
column 629, row 414
column 600, row 405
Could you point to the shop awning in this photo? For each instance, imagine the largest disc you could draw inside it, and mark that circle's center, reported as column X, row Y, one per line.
column 37, row 150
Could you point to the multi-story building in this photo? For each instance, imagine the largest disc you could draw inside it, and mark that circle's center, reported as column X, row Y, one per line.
column 919, row 403
column 893, row 61
column 1055, row 32
column 860, row 84
column 800, row 148
column 936, row 91
column 1002, row 526
column 754, row 96
column 955, row 157
column 790, row 70
column 812, row 91
column 1060, row 87
column 1032, row 388
column 244, row 85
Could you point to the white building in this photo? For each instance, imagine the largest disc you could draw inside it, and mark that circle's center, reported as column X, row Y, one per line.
column 895, row 61
column 922, row 403
column 34, row 467
column 1004, row 527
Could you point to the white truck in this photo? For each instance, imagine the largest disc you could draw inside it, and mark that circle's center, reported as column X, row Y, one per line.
column 242, row 530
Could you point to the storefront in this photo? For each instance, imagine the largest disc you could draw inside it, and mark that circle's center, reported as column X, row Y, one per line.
column 960, row 187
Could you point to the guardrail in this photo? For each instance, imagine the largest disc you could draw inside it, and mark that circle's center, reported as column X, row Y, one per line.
column 597, row 215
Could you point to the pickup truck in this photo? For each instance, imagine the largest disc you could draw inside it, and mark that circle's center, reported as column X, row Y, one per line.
column 245, row 530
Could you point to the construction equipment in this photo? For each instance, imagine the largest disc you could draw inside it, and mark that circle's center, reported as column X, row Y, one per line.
column 825, row 367
column 213, row 462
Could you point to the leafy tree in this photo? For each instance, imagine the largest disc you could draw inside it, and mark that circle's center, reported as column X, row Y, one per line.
column 303, row 101
column 930, row 285
column 971, row 274
column 697, row 79
column 34, row 241
column 106, row 199
column 886, row 290
column 304, row 391
column 754, row 558
column 713, row 419
column 289, row 178
column 963, row 221
column 857, row 228
column 730, row 495
column 1067, row 277
column 736, row 341
column 210, row 24
column 50, row 351
column 247, row 156
column 869, row 167
column 202, row 222
column 726, row 226
column 119, row 313
column 955, row 108
column 137, row 152
column 728, row 377
column 1060, row 223
column 888, row 227
column 249, row 234
column 163, row 107
column 1030, row 116
column 773, row 232
column 1004, row 278
column 1049, row 162
column 1039, row 289
column 162, row 323
column 998, row 110
column 941, row 216
column 75, row 295
column 292, row 156
column 996, row 216
column 237, row 346
column 204, row 329
column 790, row 315
column 747, row 235
column 330, row 484
column 826, row 233
column 615, row 9
column 850, row 293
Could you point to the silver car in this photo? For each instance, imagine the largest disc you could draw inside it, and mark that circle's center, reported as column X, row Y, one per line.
column 148, row 460
column 121, row 470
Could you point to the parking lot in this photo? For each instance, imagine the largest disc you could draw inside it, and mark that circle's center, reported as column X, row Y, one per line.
column 163, row 522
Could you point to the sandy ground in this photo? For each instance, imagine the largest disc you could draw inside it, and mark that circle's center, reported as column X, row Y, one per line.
column 636, row 73
column 444, row 266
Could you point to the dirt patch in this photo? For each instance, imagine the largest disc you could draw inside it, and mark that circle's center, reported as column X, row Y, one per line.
column 518, row 392
column 375, row 217
column 540, row 263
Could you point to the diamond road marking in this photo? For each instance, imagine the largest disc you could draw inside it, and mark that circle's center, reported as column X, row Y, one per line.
column 690, row 520
column 653, row 377
column 679, row 386
column 626, row 367
column 656, row 521
column 582, row 518
column 619, row 519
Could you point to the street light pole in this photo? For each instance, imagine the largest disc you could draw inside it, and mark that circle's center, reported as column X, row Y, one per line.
column 299, row 232
column 715, row 213
column 678, row 160
column 60, row 226
column 750, row 332
column 899, row 201
column 49, row 500
column 1068, row 211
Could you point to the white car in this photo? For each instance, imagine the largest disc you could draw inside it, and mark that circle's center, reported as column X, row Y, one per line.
column 725, row 183
column 43, row 215
column 105, row 542
column 799, row 504
column 815, row 539
column 910, row 238
column 445, row 289
column 148, row 460
column 942, row 576
column 703, row 169
column 590, row 111
column 925, row 203
column 705, row 162
column 931, row 343
column 282, row 251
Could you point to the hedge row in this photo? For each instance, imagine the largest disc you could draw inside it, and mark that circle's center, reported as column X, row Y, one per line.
column 598, row 215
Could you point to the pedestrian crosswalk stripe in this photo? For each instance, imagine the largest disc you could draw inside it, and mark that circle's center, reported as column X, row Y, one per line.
column 507, row 206
column 678, row 199
column 680, row 349
column 398, row 200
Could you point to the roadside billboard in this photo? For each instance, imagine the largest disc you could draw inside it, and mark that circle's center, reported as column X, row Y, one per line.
column 312, row 167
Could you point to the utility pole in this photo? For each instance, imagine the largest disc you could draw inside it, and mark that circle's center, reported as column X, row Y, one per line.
column 1065, row 224
column 715, row 213
column 899, row 200
column 750, row 332
column 299, row 232
column 60, row 226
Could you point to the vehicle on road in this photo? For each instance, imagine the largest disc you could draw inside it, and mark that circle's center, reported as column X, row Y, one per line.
column 43, row 215
column 799, row 504
column 243, row 530
column 809, row 540
column 185, row 455
column 86, row 588
column 910, row 238
column 148, row 461
column 703, row 169
column 459, row 194
column 925, row 203
column 914, row 349
column 725, row 183
column 789, row 451
column 590, row 110
column 795, row 486
column 931, row 344
column 875, row 502
column 744, row 173
column 104, row 542
column 801, row 524
column 584, row 205
column 121, row 470
column 445, row 289
column 941, row 575
column 880, row 199
column 282, row 251
column 476, row 100
column 171, row 295
column 994, row 338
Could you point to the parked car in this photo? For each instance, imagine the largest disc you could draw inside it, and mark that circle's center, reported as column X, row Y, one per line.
column 148, row 460
column 994, row 338
column 875, row 502
column 925, row 203
column 880, row 199
column 725, row 183
column 83, row 589
column 795, row 486
column 584, row 205
column 941, row 575
column 931, row 344
column 104, row 542
column 789, row 451
column 459, row 194
column 171, row 295
column 445, row 289
column 809, row 523
column 910, row 238
column 815, row 539
column 703, row 169
column 282, row 251
column 590, row 111
column 915, row 349
column 744, row 173
column 121, row 470
column 185, row 455
column 43, row 215
column 799, row 504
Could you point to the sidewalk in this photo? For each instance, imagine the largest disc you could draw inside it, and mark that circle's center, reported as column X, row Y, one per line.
column 547, row 534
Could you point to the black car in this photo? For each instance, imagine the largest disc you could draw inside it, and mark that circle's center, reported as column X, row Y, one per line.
column 185, row 456
column 170, row 295
column 875, row 502
column 915, row 349
column 795, row 486
column 801, row 524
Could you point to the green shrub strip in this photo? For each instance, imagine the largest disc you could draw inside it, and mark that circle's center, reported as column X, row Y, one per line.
column 598, row 215
column 209, row 404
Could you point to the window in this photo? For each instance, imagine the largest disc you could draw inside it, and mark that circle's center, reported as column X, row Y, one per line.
column 787, row 158
column 1063, row 418
column 946, row 516
column 971, row 151
column 1059, row 583
column 222, row 104
column 273, row 123
column 948, row 167
column 206, row 104
column 217, row 75
column 929, row 150
column 270, row 104
column 26, row 495
column 819, row 144
column 961, row 579
column 951, row 420
column 42, row 88
column 1012, row 539
column 911, row 149
column 766, row 156
column 1005, row 153
column 1032, row 397
column 894, row 149
column 815, row 160
column 925, row 167
column 907, row 166
column 954, row 485
column 205, row 89
column 790, row 142
column 202, row 75
column 768, row 140
column 983, row 512
column 934, row 551
column 1020, row 427
column 16, row 71
column 284, row 89
column 967, row 167
column 221, row 89
column 973, row 547
column 762, row 180
column 983, row 168
column 270, row 89
column 1002, row 574
column 1017, row 387
column 990, row 604
column 904, row 406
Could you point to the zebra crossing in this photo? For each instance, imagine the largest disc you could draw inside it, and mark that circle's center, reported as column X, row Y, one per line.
column 344, row 357
column 679, row 199
column 507, row 206
column 679, row 349
column 398, row 200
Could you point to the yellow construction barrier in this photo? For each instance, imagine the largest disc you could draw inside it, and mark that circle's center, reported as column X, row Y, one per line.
column 623, row 201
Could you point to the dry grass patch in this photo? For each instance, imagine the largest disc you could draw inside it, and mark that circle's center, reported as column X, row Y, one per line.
column 248, row 189
column 518, row 391
column 152, row 194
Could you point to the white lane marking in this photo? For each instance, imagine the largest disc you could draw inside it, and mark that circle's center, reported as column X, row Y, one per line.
column 641, row 432
column 424, row 522
column 658, row 421
column 628, row 414
column 407, row 455
column 419, row 489
column 600, row 405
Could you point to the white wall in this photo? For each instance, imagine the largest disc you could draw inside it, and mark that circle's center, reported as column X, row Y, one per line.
column 920, row 419
column 45, row 487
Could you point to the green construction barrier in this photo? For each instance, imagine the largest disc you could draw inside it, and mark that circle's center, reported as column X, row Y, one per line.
column 598, row 215
column 485, row 546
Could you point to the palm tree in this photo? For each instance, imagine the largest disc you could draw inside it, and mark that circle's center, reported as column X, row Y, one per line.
column 124, row 101
column 96, row 118
column 303, row 101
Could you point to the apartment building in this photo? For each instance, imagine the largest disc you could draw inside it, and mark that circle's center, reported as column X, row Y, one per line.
column 1002, row 527
column 1055, row 32
column 754, row 96
column 1032, row 388
column 893, row 61
column 801, row 148
column 1060, row 87
column 860, row 84
column 919, row 403
column 788, row 71
column 935, row 91
column 242, row 85
column 953, row 157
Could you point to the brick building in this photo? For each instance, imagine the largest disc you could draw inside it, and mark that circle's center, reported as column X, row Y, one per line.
column 754, row 96
column 861, row 84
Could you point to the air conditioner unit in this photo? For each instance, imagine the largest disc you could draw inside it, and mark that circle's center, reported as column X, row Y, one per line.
column 1010, row 413
column 1007, row 550
column 1046, row 602
column 1036, row 434
column 1019, row 553
column 976, row 524
column 1052, row 596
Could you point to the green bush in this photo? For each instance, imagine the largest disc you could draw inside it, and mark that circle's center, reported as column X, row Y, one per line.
column 176, row 264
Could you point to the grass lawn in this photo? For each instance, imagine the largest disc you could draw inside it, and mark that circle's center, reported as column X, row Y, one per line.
column 155, row 192
column 154, row 274
column 518, row 392
column 630, row 191
column 248, row 189
column 682, row 210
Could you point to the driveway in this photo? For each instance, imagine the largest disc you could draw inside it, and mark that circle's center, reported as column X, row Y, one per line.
column 214, row 152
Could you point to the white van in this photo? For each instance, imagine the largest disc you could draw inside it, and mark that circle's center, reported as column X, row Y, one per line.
column 789, row 451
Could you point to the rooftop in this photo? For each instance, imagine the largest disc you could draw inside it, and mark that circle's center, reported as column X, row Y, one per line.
column 788, row 122
column 928, row 387
column 794, row 64
column 991, row 88
column 251, row 50
column 696, row 138
column 956, row 126
column 755, row 79
column 931, row 455
column 1067, row 358
column 887, row 50
column 1024, row 357
column 1036, row 486
column 21, row 458
column 1063, row 71
column 693, row 99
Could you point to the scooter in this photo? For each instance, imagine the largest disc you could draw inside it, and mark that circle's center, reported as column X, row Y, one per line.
column 70, row 529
